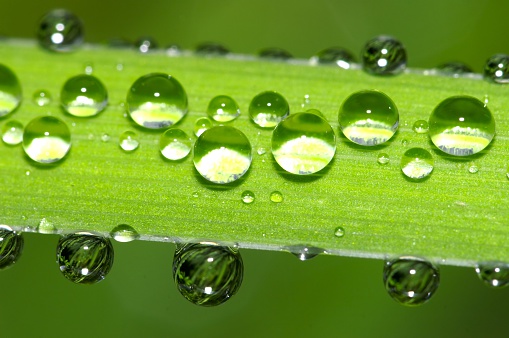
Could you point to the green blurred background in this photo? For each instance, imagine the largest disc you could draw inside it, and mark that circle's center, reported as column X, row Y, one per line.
column 280, row 296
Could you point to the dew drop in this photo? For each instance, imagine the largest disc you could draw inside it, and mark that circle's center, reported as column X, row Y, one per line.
column 10, row 91
column 268, row 108
column 46, row 139
column 383, row 158
column 384, row 55
column 420, row 127
column 247, row 197
column 156, row 101
column 410, row 281
column 461, row 126
column 124, row 233
column 173, row 50
column 84, row 258
column 175, row 144
column 223, row 108
column 261, row 151
column 368, row 118
column 334, row 55
column 417, row 163
column 28, row 172
column 146, row 44
column 88, row 68
column 211, row 49
column 493, row 274
column 454, row 69
column 303, row 252
column 105, row 137
column 201, row 124
column 207, row 275
column 303, row 143
column 12, row 132
column 60, row 31
column 83, row 96
column 275, row 54
column 46, row 227
column 128, row 141
column 222, row 154
column 11, row 246
column 196, row 194
column 42, row 97
column 276, row 197
column 339, row 232
column 473, row 168
column 496, row 68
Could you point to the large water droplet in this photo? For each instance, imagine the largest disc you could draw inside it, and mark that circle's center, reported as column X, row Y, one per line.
column 304, row 252
column 46, row 139
column 334, row 55
column 146, row 44
column 383, row 55
column 60, row 31
column 174, row 144
column 222, row 154
column 420, row 126
column 496, row 68
column 223, row 108
column 417, row 163
column 83, row 96
column 410, row 281
column 303, row 143
column 11, row 246
column 368, row 117
column 124, row 233
column 247, row 197
column 128, row 141
column 269, row 108
column 12, row 132
column 201, row 124
column 276, row 196
column 493, row 274
column 275, row 54
column 207, row 275
column 42, row 97
column 156, row 101
column 84, row 258
column 461, row 126
column 10, row 91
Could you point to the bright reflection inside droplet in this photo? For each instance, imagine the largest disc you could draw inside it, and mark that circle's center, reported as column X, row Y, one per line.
column 57, row 38
column 343, row 64
column 208, row 290
column 60, row 27
column 84, row 271
column 382, row 62
column 210, row 259
column 499, row 73
column 384, row 51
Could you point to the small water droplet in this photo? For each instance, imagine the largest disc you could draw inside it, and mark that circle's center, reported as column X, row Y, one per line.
column 42, row 97
column 46, row 227
column 156, row 101
column 207, row 275
column 11, row 246
column 473, row 168
column 496, row 68
column 334, row 55
column 124, row 233
column 12, row 132
column 46, row 139
column 196, row 194
column 222, row 154
column 268, row 108
column 339, row 232
column 60, row 31
column 410, row 281
column 383, row 158
column 10, row 91
column 128, row 141
column 261, row 151
column 83, row 96
column 84, row 258
column 368, row 118
column 420, row 127
column 493, row 274
column 105, row 137
column 454, row 69
column 247, row 196
column 201, row 124
column 175, row 144
column 405, row 143
column 146, row 44
column 88, row 68
column 223, row 108
column 275, row 54
column 173, row 50
column 461, row 126
column 27, row 173
column 303, row 143
column 417, row 163
column 119, row 67
column 211, row 49
column 276, row 197
column 384, row 55
column 304, row 252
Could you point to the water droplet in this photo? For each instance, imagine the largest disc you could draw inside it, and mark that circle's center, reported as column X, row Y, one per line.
column 12, row 132
column 420, row 127
column 105, row 137
column 339, row 232
column 368, row 117
column 247, row 196
column 454, row 69
column 223, row 108
column 410, row 281
column 211, row 49
column 222, row 154
column 383, row 158
column 175, row 144
column 207, row 275
column 84, row 258
column 201, row 124
column 473, row 168
column 46, row 139
column 461, row 126
column 303, row 143
column 303, row 252
column 60, row 31
column 417, row 163
column 11, row 246
column 196, row 194
column 261, row 151
column 129, row 141
column 276, row 197
column 334, row 55
column 46, row 227
column 146, row 44
column 156, row 101
column 268, row 108
column 275, row 54
column 88, row 68
column 496, row 68
column 83, row 96
column 173, row 50
column 10, row 91
column 124, row 233
column 493, row 274
column 119, row 67
column 42, row 98
column 27, row 173
column 384, row 55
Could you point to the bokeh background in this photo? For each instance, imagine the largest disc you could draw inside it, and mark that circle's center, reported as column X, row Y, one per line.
column 280, row 296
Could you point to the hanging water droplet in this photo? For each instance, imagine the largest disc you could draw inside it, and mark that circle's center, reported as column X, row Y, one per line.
column 211, row 49
column 146, row 44
column 247, row 196
column 275, row 54
column 46, row 139
column 276, row 197
column 368, row 118
column 303, row 143
column 383, row 55
column 420, row 127
column 339, row 232
column 12, row 132
column 454, row 69
column 496, row 68
column 461, row 126
column 417, row 163
column 201, row 124
column 207, row 275
column 175, row 144
column 493, row 274
column 60, row 31
column 222, row 154
column 410, row 281
column 268, row 108
column 383, row 158
column 128, row 141
column 304, row 252
column 46, row 227
column 10, row 91
column 156, row 101
column 124, row 233
column 334, row 55
column 11, row 246
column 223, row 108
column 42, row 98
column 84, row 258
column 83, row 96
column 105, row 137
column 473, row 168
